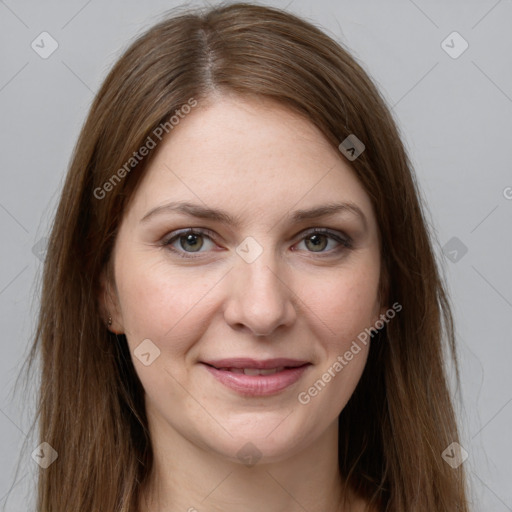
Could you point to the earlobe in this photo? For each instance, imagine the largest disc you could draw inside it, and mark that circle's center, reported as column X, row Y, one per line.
column 384, row 291
column 111, row 328
column 109, row 305
column 109, row 325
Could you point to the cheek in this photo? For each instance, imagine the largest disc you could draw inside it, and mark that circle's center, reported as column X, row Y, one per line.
column 345, row 304
column 158, row 301
column 347, row 307
column 342, row 307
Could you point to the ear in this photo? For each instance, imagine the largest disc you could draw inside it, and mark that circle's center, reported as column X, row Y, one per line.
column 109, row 302
column 384, row 288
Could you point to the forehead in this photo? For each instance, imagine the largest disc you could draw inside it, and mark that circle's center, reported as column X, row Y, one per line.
column 248, row 154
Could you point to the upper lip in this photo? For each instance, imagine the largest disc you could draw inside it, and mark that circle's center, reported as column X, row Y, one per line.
column 245, row 362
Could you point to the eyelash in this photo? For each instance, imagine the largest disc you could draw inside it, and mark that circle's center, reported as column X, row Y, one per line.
column 346, row 242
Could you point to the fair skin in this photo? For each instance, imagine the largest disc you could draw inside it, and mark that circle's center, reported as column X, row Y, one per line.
column 305, row 297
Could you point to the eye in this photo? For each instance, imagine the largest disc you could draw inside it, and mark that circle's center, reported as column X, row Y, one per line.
column 189, row 241
column 317, row 240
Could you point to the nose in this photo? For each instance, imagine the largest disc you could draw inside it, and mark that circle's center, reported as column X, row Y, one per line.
column 260, row 300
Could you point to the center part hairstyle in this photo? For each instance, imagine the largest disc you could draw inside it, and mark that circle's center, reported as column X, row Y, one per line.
column 91, row 410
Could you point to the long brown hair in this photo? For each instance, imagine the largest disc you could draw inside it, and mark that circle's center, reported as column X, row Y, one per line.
column 91, row 408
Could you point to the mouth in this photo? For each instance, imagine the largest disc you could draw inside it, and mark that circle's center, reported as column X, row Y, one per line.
column 251, row 377
column 254, row 371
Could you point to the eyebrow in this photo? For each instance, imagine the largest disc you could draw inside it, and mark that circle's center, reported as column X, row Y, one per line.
column 202, row 212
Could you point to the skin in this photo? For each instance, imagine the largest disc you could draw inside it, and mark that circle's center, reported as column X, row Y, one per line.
column 259, row 161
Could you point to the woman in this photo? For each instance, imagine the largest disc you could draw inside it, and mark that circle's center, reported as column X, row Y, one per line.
column 240, row 293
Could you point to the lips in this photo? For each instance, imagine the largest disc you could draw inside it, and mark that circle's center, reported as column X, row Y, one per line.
column 242, row 363
column 251, row 377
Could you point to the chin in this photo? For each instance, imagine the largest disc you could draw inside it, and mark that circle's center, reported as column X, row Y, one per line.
column 265, row 442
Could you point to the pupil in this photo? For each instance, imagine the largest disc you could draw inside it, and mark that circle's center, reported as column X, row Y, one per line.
column 317, row 240
column 192, row 240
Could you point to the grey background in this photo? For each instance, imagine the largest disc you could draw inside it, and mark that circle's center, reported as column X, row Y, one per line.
column 455, row 115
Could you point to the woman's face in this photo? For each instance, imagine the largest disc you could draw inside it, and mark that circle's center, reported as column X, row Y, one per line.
column 253, row 288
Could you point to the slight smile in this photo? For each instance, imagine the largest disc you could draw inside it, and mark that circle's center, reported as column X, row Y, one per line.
column 250, row 377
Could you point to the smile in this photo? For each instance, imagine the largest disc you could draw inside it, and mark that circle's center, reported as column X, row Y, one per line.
column 250, row 377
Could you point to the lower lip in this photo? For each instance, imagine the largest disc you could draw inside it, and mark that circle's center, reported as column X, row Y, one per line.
column 258, row 385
